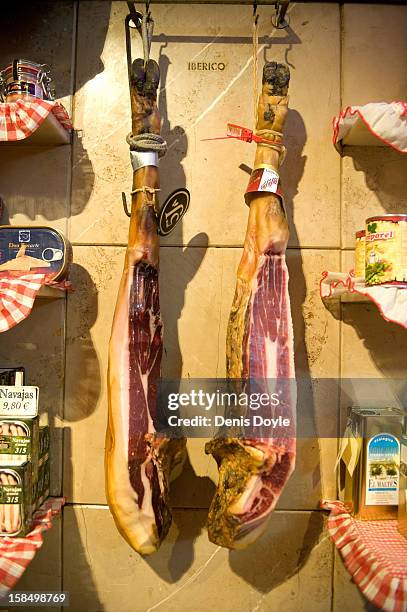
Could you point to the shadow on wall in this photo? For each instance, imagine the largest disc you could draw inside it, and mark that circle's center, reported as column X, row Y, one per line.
column 83, row 175
column 291, row 539
column 172, row 561
column 385, row 341
column 385, row 172
column 291, row 173
column 74, row 551
column 186, row 262
column 43, row 194
column 280, row 553
column 29, row 26
column 80, row 402
column 43, row 32
column 82, row 397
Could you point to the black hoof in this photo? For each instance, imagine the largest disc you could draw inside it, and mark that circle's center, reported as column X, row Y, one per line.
column 152, row 77
column 277, row 76
column 138, row 74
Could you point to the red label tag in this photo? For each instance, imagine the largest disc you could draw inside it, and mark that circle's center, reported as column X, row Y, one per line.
column 263, row 179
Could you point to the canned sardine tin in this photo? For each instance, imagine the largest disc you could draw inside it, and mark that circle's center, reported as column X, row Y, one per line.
column 386, row 250
column 40, row 250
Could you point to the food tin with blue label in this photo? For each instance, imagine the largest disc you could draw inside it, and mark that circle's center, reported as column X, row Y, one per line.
column 34, row 250
column 402, row 517
column 371, row 461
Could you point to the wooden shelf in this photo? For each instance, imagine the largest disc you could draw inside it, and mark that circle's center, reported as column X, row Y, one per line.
column 348, row 297
column 391, row 300
column 51, row 293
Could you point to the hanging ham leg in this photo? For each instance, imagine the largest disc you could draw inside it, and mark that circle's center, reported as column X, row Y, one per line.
column 138, row 462
column 254, row 470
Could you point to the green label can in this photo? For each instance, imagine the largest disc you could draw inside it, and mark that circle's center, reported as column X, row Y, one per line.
column 386, row 250
column 382, row 470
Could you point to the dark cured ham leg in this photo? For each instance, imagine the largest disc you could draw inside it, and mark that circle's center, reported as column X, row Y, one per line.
column 138, row 462
column 259, row 346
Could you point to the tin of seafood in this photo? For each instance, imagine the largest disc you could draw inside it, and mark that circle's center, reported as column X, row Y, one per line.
column 40, row 250
column 16, row 503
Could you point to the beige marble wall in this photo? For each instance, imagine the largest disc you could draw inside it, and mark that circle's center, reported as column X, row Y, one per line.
column 77, row 189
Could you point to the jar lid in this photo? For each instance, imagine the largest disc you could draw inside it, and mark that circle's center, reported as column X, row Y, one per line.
column 388, row 217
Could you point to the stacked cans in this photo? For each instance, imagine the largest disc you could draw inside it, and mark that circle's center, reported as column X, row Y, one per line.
column 24, row 459
column 26, row 79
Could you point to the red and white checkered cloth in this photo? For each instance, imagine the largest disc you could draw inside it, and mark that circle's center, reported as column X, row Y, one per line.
column 21, row 118
column 17, row 295
column 17, row 553
column 374, row 553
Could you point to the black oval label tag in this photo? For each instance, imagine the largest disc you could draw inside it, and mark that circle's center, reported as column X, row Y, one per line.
column 172, row 211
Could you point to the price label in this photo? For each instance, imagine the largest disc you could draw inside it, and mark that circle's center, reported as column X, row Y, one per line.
column 269, row 180
column 18, row 401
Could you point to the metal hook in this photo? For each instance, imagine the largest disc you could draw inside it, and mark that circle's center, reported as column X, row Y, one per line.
column 255, row 15
column 126, row 210
column 279, row 21
column 134, row 16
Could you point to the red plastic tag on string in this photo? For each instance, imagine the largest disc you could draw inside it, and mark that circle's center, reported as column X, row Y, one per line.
column 241, row 133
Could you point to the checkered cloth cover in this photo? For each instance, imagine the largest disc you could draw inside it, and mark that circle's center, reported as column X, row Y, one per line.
column 374, row 553
column 390, row 300
column 21, row 118
column 17, row 553
column 385, row 120
column 17, row 295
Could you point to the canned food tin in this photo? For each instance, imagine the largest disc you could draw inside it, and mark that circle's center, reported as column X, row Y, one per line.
column 402, row 514
column 386, row 250
column 360, row 254
column 369, row 462
column 16, row 503
column 34, row 249
column 23, row 78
